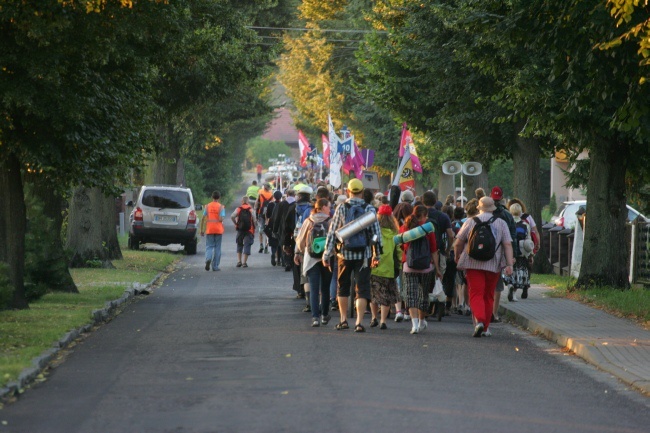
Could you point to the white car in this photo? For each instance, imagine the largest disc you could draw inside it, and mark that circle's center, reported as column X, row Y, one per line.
column 567, row 215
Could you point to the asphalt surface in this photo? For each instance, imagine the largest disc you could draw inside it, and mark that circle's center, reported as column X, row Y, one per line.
column 232, row 351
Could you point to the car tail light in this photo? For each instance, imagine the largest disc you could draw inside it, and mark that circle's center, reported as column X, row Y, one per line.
column 560, row 222
column 191, row 219
column 137, row 215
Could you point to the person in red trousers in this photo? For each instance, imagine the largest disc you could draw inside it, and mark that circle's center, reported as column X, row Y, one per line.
column 482, row 276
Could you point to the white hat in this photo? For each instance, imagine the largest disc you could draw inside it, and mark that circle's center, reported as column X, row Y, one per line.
column 526, row 246
column 306, row 190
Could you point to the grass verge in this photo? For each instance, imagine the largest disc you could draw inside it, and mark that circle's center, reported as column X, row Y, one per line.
column 28, row 333
column 632, row 304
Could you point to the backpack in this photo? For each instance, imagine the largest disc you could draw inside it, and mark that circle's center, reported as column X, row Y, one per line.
column 418, row 254
column 360, row 240
column 316, row 238
column 521, row 229
column 441, row 238
column 245, row 220
column 456, row 226
column 482, row 245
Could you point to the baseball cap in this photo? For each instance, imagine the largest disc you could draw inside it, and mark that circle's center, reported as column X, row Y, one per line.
column 355, row 185
column 497, row 193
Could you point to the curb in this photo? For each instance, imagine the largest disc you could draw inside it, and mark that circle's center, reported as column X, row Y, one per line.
column 30, row 374
column 587, row 352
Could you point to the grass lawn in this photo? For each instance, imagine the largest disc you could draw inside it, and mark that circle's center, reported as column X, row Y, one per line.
column 28, row 333
column 633, row 304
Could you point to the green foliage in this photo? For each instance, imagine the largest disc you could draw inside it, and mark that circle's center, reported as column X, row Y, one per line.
column 552, row 206
column 259, row 150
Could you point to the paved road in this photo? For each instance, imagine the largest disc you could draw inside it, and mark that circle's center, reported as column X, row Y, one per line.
column 231, row 351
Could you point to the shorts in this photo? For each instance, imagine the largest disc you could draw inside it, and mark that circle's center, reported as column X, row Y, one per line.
column 500, row 284
column 357, row 270
column 244, row 242
column 261, row 224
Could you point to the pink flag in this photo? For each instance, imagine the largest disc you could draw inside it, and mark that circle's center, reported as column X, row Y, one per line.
column 326, row 150
column 303, row 145
column 348, row 165
column 407, row 140
column 358, row 159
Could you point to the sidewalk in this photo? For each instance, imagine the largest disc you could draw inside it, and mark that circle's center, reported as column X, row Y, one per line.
column 617, row 346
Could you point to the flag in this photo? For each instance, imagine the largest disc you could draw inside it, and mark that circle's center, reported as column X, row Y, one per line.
column 407, row 141
column 348, row 165
column 406, row 180
column 326, row 150
column 406, row 159
column 358, row 158
column 335, row 155
column 368, row 157
column 303, row 145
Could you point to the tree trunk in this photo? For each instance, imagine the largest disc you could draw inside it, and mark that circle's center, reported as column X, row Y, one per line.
column 13, row 221
column 525, row 180
column 480, row 181
column 445, row 185
column 85, row 229
column 55, row 273
column 109, row 228
column 165, row 166
column 604, row 259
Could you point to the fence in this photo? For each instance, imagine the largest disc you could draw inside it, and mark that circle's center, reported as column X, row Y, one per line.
column 558, row 243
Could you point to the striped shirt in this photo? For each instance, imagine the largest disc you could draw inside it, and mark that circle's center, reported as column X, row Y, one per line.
column 338, row 221
column 501, row 234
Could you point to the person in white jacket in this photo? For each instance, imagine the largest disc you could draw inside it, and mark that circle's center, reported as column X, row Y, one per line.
column 309, row 255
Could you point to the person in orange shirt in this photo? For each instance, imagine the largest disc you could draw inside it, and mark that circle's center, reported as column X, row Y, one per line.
column 212, row 226
column 259, row 169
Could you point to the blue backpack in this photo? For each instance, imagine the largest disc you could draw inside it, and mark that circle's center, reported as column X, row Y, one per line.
column 359, row 241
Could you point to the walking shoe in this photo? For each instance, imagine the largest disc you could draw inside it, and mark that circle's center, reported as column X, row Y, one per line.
column 383, row 326
column 272, row 260
column 216, row 269
column 307, row 309
column 324, row 320
column 514, row 297
column 244, row 265
column 495, row 319
column 511, row 293
column 315, row 322
column 239, row 264
column 374, row 323
column 300, row 296
column 207, row 264
column 487, row 333
column 478, row 330
column 399, row 316
column 414, row 330
column 524, row 292
column 335, row 305
column 406, row 316
column 266, row 250
column 423, row 325
column 261, row 248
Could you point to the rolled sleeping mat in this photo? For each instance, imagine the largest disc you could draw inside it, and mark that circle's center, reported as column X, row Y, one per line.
column 354, row 227
column 413, row 234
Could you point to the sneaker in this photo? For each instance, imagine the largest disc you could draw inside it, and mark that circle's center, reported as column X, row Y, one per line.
column 399, row 316
column 406, row 316
column 383, row 326
column 207, row 264
column 514, row 298
column 334, row 305
column 524, row 292
column 216, row 269
column 273, row 261
column 414, row 330
column 324, row 320
column 266, row 250
column 423, row 325
column 511, row 293
column 315, row 322
column 261, row 248
column 478, row 330
column 487, row 333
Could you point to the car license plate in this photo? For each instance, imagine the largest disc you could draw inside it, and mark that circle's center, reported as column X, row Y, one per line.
column 165, row 218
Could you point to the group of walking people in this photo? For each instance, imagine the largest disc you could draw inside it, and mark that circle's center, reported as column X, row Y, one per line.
column 391, row 251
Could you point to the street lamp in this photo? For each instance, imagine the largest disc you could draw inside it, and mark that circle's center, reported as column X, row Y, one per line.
column 467, row 168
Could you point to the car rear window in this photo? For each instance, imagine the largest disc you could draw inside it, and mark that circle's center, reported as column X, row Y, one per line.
column 166, row 199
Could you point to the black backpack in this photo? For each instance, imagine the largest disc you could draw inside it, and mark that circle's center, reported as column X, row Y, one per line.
column 245, row 220
column 316, row 238
column 482, row 245
column 418, row 254
column 359, row 241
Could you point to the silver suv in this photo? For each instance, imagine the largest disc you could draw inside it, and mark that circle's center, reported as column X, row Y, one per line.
column 164, row 215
